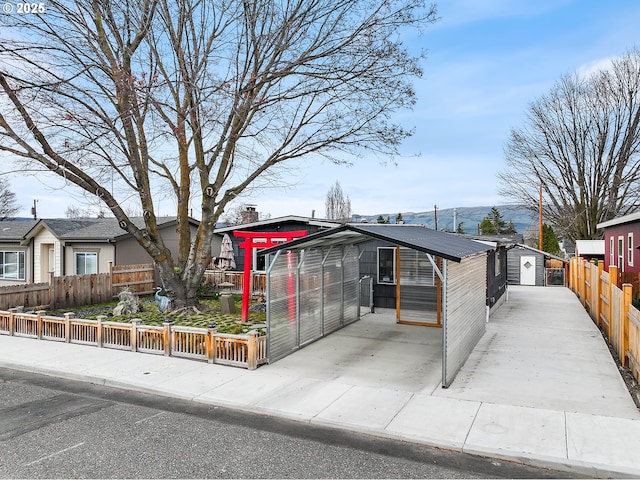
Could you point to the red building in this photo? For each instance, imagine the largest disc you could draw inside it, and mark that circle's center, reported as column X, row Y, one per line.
column 621, row 242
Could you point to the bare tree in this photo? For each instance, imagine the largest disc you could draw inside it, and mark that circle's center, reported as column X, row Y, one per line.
column 580, row 143
column 8, row 206
column 200, row 99
column 337, row 205
column 237, row 215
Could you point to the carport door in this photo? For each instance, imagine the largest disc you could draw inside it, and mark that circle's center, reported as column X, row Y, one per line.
column 527, row 270
column 465, row 304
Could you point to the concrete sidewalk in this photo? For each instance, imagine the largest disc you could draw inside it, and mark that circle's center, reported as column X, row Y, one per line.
column 540, row 388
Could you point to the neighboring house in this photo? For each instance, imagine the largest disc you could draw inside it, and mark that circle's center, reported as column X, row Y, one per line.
column 15, row 257
column 526, row 266
column 289, row 223
column 497, row 264
column 590, row 249
column 87, row 245
column 621, row 241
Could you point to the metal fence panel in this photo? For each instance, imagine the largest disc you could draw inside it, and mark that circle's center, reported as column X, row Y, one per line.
column 464, row 322
column 282, row 311
column 350, row 284
column 332, row 287
column 310, row 300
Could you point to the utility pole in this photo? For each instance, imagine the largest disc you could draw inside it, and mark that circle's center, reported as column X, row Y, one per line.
column 435, row 215
column 541, row 243
column 34, row 211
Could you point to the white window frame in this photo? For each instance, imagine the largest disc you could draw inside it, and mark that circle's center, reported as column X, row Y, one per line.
column 76, row 254
column 497, row 263
column 630, row 249
column 620, row 253
column 612, row 251
column 19, row 265
column 256, row 249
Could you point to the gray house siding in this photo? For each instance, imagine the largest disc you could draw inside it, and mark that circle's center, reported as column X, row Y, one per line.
column 513, row 265
column 384, row 294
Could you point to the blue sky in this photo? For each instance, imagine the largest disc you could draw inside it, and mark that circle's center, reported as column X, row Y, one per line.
column 487, row 60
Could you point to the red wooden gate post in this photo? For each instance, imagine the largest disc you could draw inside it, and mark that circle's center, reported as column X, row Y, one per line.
column 267, row 240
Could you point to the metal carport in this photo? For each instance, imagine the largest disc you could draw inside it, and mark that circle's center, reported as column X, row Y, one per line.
column 312, row 287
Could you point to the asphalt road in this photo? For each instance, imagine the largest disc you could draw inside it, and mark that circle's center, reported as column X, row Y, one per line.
column 55, row 428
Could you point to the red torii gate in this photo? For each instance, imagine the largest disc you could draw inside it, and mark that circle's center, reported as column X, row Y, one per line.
column 249, row 244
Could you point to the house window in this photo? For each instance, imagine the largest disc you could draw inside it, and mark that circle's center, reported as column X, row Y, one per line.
column 12, row 265
column 387, row 265
column 630, row 249
column 259, row 261
column 612, row 251
column 415, row 268
column 497, row 263
column 86, row 262
column 621, row 254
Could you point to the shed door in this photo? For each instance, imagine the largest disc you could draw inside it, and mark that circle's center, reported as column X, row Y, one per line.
column 527, row 270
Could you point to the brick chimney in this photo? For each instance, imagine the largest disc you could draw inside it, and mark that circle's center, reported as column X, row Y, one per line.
column 250, row 215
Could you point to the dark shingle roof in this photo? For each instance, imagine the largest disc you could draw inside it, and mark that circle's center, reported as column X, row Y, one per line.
column 15, row 230
column 441, row 244
column 97, row 229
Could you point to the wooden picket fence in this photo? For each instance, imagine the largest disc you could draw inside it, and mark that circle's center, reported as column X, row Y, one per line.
column 610, row 306
column 76, row 290
column 244, row 351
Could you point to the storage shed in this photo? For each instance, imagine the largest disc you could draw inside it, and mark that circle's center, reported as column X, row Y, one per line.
column 313, row 286
column 527, row 266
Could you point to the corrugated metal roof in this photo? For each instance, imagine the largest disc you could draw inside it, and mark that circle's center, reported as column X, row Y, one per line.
column 441, row 244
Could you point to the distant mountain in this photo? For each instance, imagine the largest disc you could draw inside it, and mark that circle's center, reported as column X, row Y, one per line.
column 470, row 217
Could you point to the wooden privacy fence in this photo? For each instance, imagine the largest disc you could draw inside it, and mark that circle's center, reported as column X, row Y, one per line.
column 245, row 351
column 77, row 290
column 218, row 277
column 610, row 307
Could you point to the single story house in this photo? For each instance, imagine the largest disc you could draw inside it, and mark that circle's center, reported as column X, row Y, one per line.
column 16, row 259
column 621, row 242
column 290, row 223
column 65, row 246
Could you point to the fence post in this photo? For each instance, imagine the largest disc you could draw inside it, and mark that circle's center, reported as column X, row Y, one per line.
column 583, row 282
column 211, row 341
column 67, row 325
column 12, row 321
column 134, row 333
column 627, row 290
column 110, row 281
column 252, row 350
column 167, row 336
column 614, row 275
column 39, row 327
column 599, row 291
column 613, row 282
column 99, row 319
column 52, row 293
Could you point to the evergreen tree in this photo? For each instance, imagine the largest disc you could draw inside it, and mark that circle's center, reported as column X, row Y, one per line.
column 487, row 227
column 399, row 219
column 550, row 242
